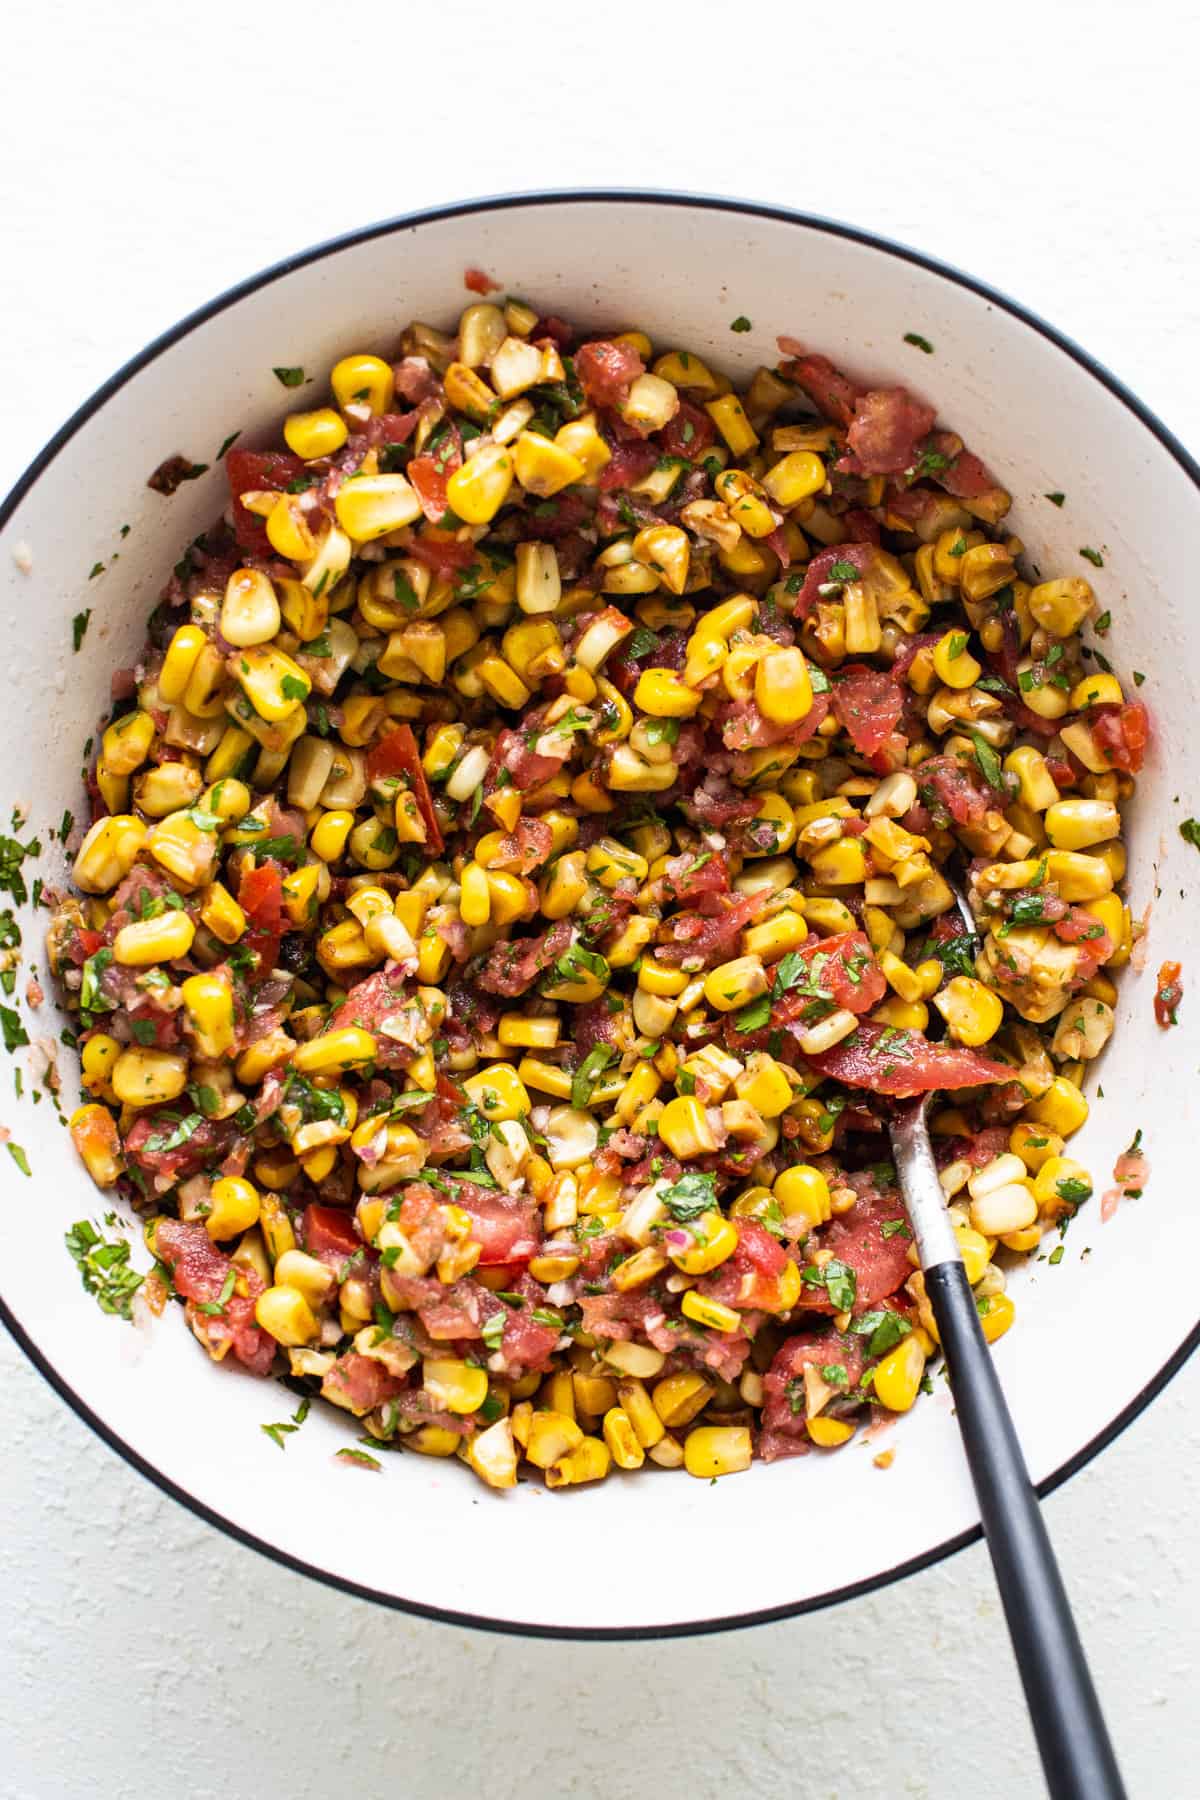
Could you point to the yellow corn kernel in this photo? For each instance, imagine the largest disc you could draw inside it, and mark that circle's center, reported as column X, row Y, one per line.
column 285, row 1315
column 763, row 1085
column 1038, row 790
column 96, row 1058
column 589, row 1461
column 714, row 1241
column 729, row 417
column 142, row 1076
column 843, row 864
column 475, row 899
column 1096, row 690
column 178, row 664
column 328, row 836
column 639, row 1410
column 973, row 1013
column 783, row 687
column 312, row 434
column 684, row 369
column 550, row 1436
column 803, row 1192
column 666, row 550
column 775, row 937
column 250, row 611
column 898, row 1374
column 478, row 490
column 975, row 1250
column 126, row 744
column 623, row 1443
column 300, row 897
column 678, row 1398
column 1060, row 607
column 794, row 478
column 333, row 1050
column 709, row 1313
column 656, row 978
column 953, row 662
column 581, row 439
column 683, row 1127
column 493, row 1455
column 433, row 957
column 233, row 1208
column 1054, row 1173
column 149, row 941
column 996, row 1314
column 1078, row 824
column 94, row 1135
column 544, row 466
column 905, row 1015
column 518, row 1030
column 108, row 852
column 362, row 381
column 454, row 1386
column 371, row 506
column 263, row 1054
column 1062, row 1107
column 1079, row 878
column 664, row 695
column 274, row 685
column 208, row 1002
column 714, row 1450
column 234, row 755
column 498, row 1092
column 735, row 984
column 829, row 1434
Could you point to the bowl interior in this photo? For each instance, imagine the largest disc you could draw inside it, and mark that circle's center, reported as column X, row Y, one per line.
column 423, row 1533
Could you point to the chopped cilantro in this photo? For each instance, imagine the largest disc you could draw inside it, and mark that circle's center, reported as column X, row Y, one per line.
column 693, row 1194
column 290, row 378
column 103, row 1267
column 741, row 323
column 1055, row 499
column 919, row 342
column 1092, row 556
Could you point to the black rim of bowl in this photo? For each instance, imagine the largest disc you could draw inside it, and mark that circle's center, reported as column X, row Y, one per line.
column 464, row 209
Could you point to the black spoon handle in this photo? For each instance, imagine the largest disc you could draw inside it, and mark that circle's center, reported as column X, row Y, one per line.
column 1077, row 1757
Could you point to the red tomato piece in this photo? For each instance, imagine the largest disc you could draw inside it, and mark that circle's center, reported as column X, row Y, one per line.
column 260, row 896
column 1168, row 994
column 819, row 573
column 442, row 552
column 397, row 754
column 749, row 1279
column 504, row 1225
column 832, row 393
column 1122, row 732
column 885, row 1059
column 329, row 1233
column 430, row 472
column 689, row 433
column 868, row 704
column 479, row 281
column 887, row 426
column 361, row 1380
column 248, row 471
column 783, row 1430
column 607, row 370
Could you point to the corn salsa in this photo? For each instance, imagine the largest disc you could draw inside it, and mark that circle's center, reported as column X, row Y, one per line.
column 516, row 890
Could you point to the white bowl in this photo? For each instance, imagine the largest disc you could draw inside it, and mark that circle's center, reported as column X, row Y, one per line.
column 1097, row 1335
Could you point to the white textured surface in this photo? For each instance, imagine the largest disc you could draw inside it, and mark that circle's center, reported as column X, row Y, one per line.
column 184, row 150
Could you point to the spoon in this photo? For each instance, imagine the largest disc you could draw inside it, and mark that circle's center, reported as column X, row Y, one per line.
column 1077, row 1757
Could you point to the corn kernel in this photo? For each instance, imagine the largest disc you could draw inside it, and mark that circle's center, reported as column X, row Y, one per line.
column 715, row 1450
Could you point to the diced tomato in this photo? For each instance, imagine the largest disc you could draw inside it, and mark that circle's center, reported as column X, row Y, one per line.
column 749, row 1279
column 689, row 433
column 199, row 1271
column 887, row 426
column 479, row 281
column 831, row 392
column 430, row 473
column 628, row 463
column 503, row 1224
column 868, row 704
column 819, row 573
column 843, row 968
column 709, row 936
column 202, row 1148
column 1122, row 733
column 784, row 1430
column 360, row 1382
column 885, row 1059
column 248, row 471
column 1168, row 994
column 369, row 1003
column 524, row 848
column 744, row 727
column 513, row 967
column 260, row 896
column 686, row 877
column 607, row 370
column 329, row 1233
column 442, row 552
column 83, row 943
column 397, row 754
column 953, row 790
column 964, row 476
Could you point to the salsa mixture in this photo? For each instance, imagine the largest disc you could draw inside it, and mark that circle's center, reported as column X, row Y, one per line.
column 517, row 889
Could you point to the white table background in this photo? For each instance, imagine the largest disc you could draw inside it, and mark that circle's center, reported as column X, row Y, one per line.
column 151, row 155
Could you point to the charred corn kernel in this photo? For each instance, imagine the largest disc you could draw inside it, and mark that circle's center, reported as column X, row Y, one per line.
column 683, row 369
column 498, row 1092
column 735, row 984
column 973, row 1013
column 1034, row 1144
column 1060, row 607
column 710, row 1313
column 713, row 1241
column 370, row 506
column 263, row 1054
column 94, row 1135
column 550, row 1436
column 843, row 864
column 683, row 1127
column 208, row 1002
column 638, row 1269
column 714, row 1450
column 639, row 1411
column 975, row 1250
column 898, row 1374
column 996, row 1314
column 312, row 434
column 97, row 1057
column 803, row 1192
column 142, row 1076
column 300, row 898
column 729, row 417
column 1077, row 824
column 274, row 685
column 1079, row 878
column 126, row 744
column 362, row 381
column 1062, row 1107
column 454, row 1386
column 664, row 695
column 1096, row 690
column 154, row 940
column 176, row 670
column 250, row 611
column 984, row 570
column 342, row 1049
column 666, row 550
column 285, row 1315
column 276, row 1227
column 775, row 937
column 782, row 686
column 794, row 478
column 623, row 1443
column 169, row 787
column 764, row 1086
column 468, row 392
column 493, row 1455
column 678, row 1398
column 1060, row 1185
column 544, row 466
column 233, row 1208
column 1038, row 789
column 589, row 1461
column 953, row 662
column 108, row 852
column 328, row 836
